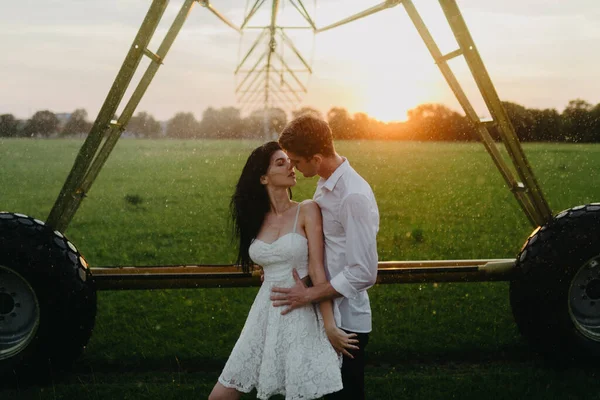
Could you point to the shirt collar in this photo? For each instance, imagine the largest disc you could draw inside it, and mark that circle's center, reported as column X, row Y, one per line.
column 330, row 183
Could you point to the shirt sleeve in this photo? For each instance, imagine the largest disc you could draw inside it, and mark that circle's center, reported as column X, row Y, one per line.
column 361, row 225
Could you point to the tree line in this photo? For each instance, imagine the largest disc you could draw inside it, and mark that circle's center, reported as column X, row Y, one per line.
column 578, row 123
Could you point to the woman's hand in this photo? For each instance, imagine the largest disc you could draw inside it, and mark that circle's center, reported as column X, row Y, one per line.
column 342, row 341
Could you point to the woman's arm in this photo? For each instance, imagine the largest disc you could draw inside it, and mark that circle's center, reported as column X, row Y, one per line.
column 313, row 226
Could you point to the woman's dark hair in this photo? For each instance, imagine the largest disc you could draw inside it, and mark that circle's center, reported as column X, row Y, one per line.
column 250, row 201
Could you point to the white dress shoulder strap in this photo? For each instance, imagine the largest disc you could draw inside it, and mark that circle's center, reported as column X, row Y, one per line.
column 296, row 220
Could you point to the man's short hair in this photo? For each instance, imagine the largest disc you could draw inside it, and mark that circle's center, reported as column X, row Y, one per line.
column 306, row 136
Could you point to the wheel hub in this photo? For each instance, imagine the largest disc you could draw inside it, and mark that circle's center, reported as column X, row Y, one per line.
column 584, row 299
column 7, row 304
column 593, row 289
column 19, row 313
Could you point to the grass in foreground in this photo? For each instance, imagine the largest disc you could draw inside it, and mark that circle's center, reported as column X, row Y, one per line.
column 165, row 202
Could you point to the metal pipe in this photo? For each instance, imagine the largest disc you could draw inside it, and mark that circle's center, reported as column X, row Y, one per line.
column 252, row 87
column 285, row 102
column 258, row 39
column 196, row 276
column 253, row 96
column 302, row 11
column 292, row 91
column 251, row 71
column 271, row 49
column 285, row 93
column 380, row 7
column 288, row 69
column 206, row 3
column 289, row 42
column 255, row 7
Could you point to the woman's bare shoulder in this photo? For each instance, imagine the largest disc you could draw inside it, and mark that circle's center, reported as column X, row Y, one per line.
column 310, row 205
column 310, row 211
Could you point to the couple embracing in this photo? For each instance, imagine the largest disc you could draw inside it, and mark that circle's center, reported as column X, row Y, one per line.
column 307, row 330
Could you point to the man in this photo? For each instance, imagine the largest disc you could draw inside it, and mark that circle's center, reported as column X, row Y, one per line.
column 350, row 226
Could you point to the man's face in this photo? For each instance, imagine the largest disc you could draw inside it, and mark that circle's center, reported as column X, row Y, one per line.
column 308, row 167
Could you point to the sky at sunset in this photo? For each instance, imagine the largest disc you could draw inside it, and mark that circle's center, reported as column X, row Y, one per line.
column 64, row 54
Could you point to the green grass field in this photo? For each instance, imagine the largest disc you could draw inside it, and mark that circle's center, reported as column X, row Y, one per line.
column 436, row 201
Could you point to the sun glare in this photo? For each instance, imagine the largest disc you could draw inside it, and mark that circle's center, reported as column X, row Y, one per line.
column 388, row 98
column 396, row 84
column 386, row 65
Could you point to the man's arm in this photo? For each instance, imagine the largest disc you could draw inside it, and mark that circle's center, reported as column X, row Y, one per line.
column 360, row 225
column 300, row 295
column 359, row 274
column 322, row 291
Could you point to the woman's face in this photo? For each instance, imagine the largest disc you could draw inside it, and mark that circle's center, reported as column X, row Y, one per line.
column 280, row 172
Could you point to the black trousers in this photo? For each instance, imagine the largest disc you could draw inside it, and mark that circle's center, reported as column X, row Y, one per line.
column 353, row 372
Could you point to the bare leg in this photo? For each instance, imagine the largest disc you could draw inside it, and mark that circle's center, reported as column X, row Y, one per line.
column 221, row 392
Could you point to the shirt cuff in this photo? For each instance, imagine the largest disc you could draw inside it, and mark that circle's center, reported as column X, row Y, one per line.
column 343, row 287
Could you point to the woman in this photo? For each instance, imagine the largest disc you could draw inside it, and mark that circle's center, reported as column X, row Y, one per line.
column 294, row 354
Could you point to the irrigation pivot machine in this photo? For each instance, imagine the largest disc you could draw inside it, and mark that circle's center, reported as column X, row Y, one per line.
column 48, row 291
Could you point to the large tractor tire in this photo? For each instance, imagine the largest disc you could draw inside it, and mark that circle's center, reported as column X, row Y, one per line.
column 47, row 299
column 555, row 292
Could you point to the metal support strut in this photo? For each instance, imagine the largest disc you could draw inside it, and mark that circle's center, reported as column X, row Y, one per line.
column 90, row 161
column 524, row 186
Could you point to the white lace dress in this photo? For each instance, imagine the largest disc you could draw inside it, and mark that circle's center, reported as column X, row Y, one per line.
column 282, row 354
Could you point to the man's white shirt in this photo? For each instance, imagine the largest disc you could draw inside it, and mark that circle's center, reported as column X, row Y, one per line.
column 350, row 226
